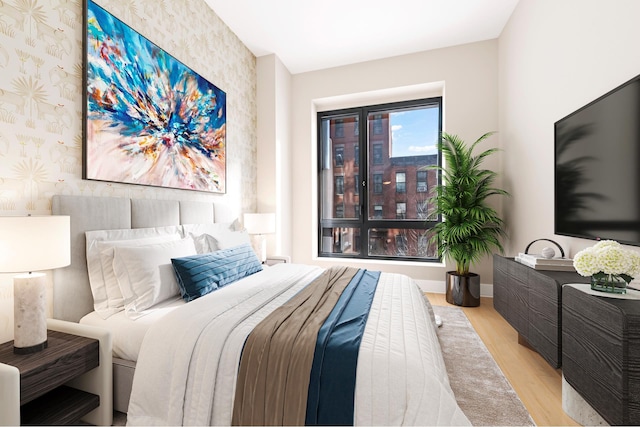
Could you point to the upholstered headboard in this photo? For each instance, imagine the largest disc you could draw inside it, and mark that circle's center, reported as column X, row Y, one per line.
column 72, row 297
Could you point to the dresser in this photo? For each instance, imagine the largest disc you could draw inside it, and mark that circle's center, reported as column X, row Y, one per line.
column 531, row 301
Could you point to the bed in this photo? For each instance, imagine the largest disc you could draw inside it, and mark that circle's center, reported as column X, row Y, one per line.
column 209, row 361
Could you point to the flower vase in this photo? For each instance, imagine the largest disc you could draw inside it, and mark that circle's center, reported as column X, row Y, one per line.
column 609, row 283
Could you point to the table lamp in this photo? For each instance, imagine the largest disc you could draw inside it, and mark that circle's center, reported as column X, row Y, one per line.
column 29, row 245
column 259, row 224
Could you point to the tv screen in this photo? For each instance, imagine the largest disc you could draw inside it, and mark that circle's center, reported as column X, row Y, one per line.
column 597, row 168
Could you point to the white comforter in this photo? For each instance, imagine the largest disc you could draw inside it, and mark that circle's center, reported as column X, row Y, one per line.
column 188, row 362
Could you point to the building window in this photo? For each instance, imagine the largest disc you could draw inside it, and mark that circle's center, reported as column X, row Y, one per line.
column 353, row 221
column 377, row 212
column 377, row 124
column 377, row 154
column 339, row 128
column 401, row 245
column 421, row 181
column 340, row 185
column 377, row 183
column 401, row 210
column 401, row 182
column 339, row 156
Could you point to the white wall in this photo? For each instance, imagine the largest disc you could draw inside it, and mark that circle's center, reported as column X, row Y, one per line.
column 274, row 149
column 554, row 57
column 469, row 78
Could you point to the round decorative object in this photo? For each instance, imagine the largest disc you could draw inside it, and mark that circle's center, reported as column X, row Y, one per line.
column 526, row 250
column 548, row 252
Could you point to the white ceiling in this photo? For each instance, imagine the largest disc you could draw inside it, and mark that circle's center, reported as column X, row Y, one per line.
column 310, row 35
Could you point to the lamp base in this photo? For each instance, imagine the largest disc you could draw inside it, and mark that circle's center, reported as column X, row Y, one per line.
column 31, row 349
column 29, row 311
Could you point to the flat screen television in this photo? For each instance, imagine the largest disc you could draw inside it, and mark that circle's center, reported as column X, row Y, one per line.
column 597, row 168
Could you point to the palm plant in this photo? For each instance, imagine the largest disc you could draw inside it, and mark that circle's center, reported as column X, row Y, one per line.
column 470, row 228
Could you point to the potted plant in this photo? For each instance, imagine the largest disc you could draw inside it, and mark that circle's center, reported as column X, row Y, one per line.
column 470, row 228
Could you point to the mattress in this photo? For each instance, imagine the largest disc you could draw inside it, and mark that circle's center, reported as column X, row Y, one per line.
column 127, row 334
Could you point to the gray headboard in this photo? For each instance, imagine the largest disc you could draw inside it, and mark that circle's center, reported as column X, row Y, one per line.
column 72, row 297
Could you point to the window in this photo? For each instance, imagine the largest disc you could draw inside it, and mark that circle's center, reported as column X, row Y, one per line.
column 339, row 156
column 377, row 124
column 377, row 183
column 421, row 181
column 401, row 210
column 384, row 213
column 401, row 181
column 339, row 128
column 339, row 184
column 377, row 154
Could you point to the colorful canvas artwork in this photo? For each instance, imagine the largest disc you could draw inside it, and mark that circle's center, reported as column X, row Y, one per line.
column 149, row 119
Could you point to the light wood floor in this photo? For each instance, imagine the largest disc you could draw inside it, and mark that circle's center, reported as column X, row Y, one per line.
column 538, row 385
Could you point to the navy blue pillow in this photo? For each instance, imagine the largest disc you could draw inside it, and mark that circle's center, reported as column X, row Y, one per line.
column 203, row 273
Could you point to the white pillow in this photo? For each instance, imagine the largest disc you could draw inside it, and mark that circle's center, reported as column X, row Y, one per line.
column 94, row 262
column 145, row 274
column 106, row 249
column 216, row 236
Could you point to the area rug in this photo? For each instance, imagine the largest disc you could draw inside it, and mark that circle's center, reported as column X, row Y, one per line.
column 482, row 391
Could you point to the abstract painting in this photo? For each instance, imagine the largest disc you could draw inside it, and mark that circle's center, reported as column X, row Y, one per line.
column 149, row 119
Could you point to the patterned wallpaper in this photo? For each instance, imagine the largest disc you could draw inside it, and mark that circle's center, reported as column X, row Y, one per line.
column 41, row 103
column 41, row 97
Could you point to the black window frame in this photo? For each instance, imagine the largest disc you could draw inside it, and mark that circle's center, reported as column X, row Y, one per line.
column 366, row 221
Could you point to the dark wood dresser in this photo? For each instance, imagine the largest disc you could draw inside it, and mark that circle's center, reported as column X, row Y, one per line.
column 531, row 301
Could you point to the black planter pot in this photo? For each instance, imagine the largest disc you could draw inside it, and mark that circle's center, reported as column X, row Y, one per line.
column 463, row 290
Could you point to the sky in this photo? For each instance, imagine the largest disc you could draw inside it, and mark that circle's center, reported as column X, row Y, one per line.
column 414, row 132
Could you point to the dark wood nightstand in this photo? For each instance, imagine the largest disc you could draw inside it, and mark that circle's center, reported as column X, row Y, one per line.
column 69, row 381
column 43, row 397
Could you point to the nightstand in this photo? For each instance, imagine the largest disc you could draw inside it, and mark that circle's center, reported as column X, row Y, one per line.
column 67, row 382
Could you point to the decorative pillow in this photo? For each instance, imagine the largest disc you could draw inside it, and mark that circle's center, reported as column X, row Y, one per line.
column 107, row 298
column 201, row 274
column 145, row 274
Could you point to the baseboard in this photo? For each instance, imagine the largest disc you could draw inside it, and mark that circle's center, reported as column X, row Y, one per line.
column 437, row 287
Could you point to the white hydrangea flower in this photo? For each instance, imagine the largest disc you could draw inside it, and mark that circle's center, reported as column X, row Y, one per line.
column 606, row 243
column 634, row 264
column 586, row 262
column 613, row 259
column 608, row 257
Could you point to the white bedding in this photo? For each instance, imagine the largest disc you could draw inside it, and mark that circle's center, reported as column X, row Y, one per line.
column 189, row 378
column 127, row 334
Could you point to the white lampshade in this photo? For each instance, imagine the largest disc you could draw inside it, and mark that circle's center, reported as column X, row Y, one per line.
column 31, row 244
column 260, row 223
column 34, row 243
